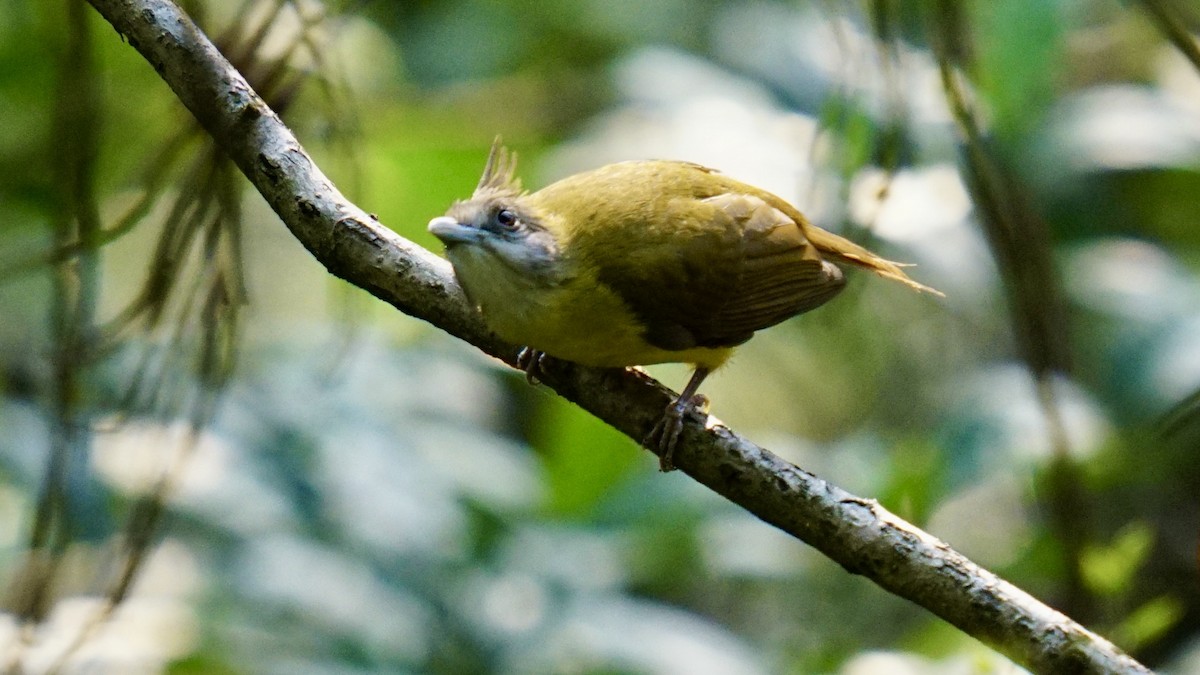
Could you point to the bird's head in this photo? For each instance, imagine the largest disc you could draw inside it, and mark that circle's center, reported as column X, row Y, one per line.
column 498, row 231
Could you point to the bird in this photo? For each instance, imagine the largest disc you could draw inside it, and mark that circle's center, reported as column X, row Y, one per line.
column 638, row 263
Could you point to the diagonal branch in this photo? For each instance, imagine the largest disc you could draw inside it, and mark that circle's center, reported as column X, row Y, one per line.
column 858, row 533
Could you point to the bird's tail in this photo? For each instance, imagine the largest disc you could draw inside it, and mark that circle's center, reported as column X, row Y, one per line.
column 843, row 250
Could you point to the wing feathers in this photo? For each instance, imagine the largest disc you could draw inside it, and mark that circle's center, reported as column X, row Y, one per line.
column 759, row 271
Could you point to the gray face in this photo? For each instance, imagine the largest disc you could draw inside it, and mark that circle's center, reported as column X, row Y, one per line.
column 495, row 229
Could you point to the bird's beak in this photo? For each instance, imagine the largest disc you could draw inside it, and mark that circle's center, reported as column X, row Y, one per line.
column 451, row 232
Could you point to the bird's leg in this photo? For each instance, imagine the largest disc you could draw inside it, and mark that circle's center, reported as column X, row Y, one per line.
column 665, row 434
column 530, row 360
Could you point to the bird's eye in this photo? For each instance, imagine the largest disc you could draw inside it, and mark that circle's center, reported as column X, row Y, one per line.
column 506, row 218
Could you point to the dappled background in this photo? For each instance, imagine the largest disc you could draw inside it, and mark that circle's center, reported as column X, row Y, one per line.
column 216, row 458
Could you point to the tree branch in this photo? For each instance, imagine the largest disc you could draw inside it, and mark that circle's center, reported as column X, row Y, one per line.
column 858, row 533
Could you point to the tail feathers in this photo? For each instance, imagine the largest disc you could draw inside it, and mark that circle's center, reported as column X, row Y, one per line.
column 840, row 249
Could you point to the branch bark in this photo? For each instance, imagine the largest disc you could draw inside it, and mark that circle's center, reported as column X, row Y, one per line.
column 858, row 533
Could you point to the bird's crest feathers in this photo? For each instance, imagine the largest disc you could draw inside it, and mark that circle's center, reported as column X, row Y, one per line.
column 499, row 174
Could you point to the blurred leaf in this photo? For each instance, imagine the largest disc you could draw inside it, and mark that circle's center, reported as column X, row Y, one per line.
column 1108, row 570
column 1020, row 49
column 584, row 457
column 855, row 129
column 915, row 479
column 1183, row 416
column 1148, row 622
column 202, row 663
column 1161, row 204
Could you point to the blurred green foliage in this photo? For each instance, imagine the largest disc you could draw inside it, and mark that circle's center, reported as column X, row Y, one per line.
column 366, row 496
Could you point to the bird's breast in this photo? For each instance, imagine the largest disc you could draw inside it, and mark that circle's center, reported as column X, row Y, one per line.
column 579, row 320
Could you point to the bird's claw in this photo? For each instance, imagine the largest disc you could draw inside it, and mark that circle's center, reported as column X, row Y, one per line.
column 665, row 435
column 531, row 361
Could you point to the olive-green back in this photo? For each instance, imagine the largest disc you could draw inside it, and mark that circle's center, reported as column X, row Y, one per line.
column 703, row 260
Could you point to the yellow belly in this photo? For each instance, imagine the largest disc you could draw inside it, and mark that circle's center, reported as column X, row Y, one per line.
column 593, row 329
column 582, row 321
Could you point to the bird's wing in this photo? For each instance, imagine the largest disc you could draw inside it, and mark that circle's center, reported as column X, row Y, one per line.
column 733, row 265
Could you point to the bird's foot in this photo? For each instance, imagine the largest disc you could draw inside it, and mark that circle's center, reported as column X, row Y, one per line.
column 531, row 361
column 665, row 435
